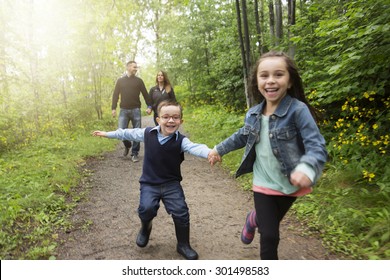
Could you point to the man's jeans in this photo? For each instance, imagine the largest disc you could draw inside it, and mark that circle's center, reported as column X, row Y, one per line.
column 173, row 198
column 125, row 116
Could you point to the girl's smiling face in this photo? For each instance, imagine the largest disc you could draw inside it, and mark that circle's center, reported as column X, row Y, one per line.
column 273, row 80
column 169, row 119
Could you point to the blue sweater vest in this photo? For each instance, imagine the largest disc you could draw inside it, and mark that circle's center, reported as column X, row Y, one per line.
column 161, row 162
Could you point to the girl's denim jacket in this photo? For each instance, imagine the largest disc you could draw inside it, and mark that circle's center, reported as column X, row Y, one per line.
column 293, row 133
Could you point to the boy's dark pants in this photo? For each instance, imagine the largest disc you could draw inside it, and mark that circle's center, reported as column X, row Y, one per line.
column 172, row 196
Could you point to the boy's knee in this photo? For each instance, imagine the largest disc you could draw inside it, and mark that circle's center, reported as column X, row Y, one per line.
column 147, row 212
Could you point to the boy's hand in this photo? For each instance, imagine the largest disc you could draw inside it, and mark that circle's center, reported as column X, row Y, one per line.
column 214, row 157
column 99, row 133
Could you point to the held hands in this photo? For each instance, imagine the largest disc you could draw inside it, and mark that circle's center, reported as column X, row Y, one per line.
column 300, row 180
column 214, row 157
column 99, row 133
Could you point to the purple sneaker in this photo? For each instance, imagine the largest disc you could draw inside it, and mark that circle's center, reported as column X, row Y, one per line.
column 248, row 231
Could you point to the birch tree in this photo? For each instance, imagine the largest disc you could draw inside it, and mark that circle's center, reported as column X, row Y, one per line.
column 278, row 22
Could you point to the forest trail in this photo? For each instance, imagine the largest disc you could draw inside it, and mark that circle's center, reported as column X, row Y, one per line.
column 105, row 222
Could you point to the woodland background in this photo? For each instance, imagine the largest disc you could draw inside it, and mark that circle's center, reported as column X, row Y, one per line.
column 59, row 61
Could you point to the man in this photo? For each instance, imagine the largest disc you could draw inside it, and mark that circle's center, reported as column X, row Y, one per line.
column 129, row 88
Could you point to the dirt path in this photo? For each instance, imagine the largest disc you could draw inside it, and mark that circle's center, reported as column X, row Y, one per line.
column 106, row 221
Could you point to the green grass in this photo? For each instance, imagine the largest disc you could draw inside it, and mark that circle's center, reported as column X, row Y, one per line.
column 353, row 219
column 36, row 184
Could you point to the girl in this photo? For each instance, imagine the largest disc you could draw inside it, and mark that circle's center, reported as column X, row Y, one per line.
column 283, row 148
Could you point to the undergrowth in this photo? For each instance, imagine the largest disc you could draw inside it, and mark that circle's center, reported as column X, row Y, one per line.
column 36, row 190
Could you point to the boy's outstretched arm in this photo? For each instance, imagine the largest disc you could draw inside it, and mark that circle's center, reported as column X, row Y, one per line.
column 99, row 133
column 214, row 157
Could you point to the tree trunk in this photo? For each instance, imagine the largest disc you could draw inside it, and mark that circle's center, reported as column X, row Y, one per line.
column 248, row 60
column 242, row 48
column 291, row 22
column 279, row 22
column 157, row 34
column 271, row 21
column 258, row 27
column 4, row 87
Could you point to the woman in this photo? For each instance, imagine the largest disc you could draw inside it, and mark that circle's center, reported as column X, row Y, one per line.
column 162, row 91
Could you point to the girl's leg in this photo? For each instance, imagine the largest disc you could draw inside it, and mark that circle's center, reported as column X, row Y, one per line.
column 270, row 210
column 249, row 229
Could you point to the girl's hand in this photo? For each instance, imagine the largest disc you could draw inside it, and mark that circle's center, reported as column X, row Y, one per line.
column 99, row 133
column 214, row 157
column 300, row 180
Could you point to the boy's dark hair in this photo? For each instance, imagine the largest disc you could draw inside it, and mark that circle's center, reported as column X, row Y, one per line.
column 169, row 103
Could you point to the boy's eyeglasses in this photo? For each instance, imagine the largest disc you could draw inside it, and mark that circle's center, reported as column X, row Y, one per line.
column 166, row 118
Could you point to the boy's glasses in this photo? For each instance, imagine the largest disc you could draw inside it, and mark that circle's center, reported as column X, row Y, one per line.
column 166, row 118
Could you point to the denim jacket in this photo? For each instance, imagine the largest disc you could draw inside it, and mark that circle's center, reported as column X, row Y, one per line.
column 294, row 137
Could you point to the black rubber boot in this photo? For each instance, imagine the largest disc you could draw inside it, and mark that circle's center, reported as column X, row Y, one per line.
column 144, row 233
column 183, row 242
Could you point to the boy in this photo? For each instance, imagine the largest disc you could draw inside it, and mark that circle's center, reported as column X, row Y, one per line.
column 161, row 175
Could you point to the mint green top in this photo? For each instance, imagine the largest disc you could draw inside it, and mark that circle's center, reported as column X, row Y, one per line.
column 266, row 169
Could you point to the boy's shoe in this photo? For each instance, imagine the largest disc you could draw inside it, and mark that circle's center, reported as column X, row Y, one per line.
column 248, row 231
column 134, row 158
column 144, row 233
column 183, row 242
column 186, row 251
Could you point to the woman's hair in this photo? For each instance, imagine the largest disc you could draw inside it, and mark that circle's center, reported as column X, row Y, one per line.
column 167, row 83
column 169, row 103
column 296, row 90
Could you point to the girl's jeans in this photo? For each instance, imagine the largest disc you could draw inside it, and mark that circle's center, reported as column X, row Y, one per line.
column 270, row 210
column 172, row 196
column 125, row 116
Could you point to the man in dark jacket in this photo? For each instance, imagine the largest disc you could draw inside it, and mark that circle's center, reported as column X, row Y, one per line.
column 129, row 87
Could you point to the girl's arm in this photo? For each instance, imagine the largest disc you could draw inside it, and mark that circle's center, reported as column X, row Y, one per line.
column 314, row 143
column 234, row 142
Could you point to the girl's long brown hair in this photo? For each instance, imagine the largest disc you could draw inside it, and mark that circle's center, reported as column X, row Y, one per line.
column 296, row 90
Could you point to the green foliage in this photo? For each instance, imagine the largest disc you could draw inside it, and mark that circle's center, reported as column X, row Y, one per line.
column 218, row 121
column 36, row 185
column 204, row 64
column 353, row 219
column 345, row 51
